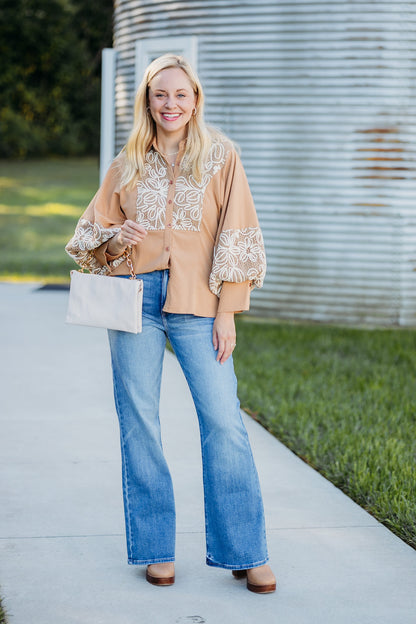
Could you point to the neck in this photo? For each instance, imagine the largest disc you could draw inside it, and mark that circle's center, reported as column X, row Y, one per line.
column 169, row 144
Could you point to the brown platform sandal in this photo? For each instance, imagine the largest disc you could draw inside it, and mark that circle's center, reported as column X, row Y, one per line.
column 156, row 574
column 257, row 589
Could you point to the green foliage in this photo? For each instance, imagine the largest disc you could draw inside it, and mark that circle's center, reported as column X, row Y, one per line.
column 344, row 400
column 50, row 79
column 41, row 202
column 2, row 615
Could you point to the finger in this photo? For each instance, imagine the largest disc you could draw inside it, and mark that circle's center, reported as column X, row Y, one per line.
column 135, row 227
column 221, row 349
column 127, row 239
column 215, row 339
column 130, row 236
column 141, row 230
column 130, row 224
column 227, row 352
column 134, row 239
column 229, row 348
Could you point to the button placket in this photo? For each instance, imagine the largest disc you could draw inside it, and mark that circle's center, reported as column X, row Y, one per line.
column 169, row 211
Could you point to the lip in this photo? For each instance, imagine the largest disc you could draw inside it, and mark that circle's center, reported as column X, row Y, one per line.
column 171, row 116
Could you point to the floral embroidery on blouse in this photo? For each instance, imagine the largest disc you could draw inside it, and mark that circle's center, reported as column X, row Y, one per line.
column 88, row 236
column 189, row 194
column 221, row 199
column 152, row 192
column 239, row 256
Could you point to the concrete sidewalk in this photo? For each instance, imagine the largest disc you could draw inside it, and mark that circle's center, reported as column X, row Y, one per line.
column 63, row 556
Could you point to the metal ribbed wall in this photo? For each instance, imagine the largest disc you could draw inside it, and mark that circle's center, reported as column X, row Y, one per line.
column 321, row 98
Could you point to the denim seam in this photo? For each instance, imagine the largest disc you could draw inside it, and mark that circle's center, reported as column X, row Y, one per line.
column 204, row 478
column 150, row 561
column 125, row 475
column 258, row 486
column 227, row 566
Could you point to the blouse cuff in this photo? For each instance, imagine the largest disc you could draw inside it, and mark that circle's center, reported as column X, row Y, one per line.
column 101, row 254
column 105, row 258
column 234, row 297
column 111, row 258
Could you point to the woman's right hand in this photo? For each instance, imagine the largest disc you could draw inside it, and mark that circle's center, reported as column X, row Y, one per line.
column 131, row 233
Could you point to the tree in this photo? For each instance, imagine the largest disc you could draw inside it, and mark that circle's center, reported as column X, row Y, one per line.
column 50, row 84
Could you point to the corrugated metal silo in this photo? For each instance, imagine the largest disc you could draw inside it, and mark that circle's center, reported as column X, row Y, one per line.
column 321, row 98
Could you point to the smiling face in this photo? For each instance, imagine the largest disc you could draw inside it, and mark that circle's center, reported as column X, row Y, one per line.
column 171, row 102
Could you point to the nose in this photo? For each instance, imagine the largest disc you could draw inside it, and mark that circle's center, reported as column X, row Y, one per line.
column 170, row 102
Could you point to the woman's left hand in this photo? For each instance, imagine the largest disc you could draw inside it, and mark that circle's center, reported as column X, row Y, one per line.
column 223, row 335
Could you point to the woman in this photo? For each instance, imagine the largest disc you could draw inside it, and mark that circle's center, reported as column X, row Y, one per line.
column 178, row 197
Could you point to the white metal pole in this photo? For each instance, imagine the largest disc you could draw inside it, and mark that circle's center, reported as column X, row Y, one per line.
column 108, row 74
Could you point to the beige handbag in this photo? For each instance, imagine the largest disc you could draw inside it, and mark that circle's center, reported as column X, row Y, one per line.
column 105, row 301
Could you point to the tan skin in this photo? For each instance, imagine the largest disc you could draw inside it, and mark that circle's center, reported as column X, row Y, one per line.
column 171, row 102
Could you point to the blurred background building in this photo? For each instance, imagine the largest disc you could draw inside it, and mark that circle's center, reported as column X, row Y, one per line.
column 321, row 98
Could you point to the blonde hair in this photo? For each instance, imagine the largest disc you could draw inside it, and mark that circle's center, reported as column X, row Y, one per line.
column 199, row 138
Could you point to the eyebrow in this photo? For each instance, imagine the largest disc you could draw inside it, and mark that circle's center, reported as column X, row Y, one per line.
column 177, row 90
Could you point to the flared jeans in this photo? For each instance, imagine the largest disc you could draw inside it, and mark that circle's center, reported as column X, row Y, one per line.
column 234, row 518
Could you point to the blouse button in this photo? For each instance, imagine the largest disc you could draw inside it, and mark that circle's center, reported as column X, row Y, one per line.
column 170, row 201
column 167, row 248
column 169, row 224
column 170, row 181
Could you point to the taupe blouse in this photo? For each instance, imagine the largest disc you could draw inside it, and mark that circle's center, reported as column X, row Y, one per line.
column 206, row 233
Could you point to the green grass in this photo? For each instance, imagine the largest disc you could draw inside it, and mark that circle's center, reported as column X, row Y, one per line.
column 344, row 400
column 40, row 203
